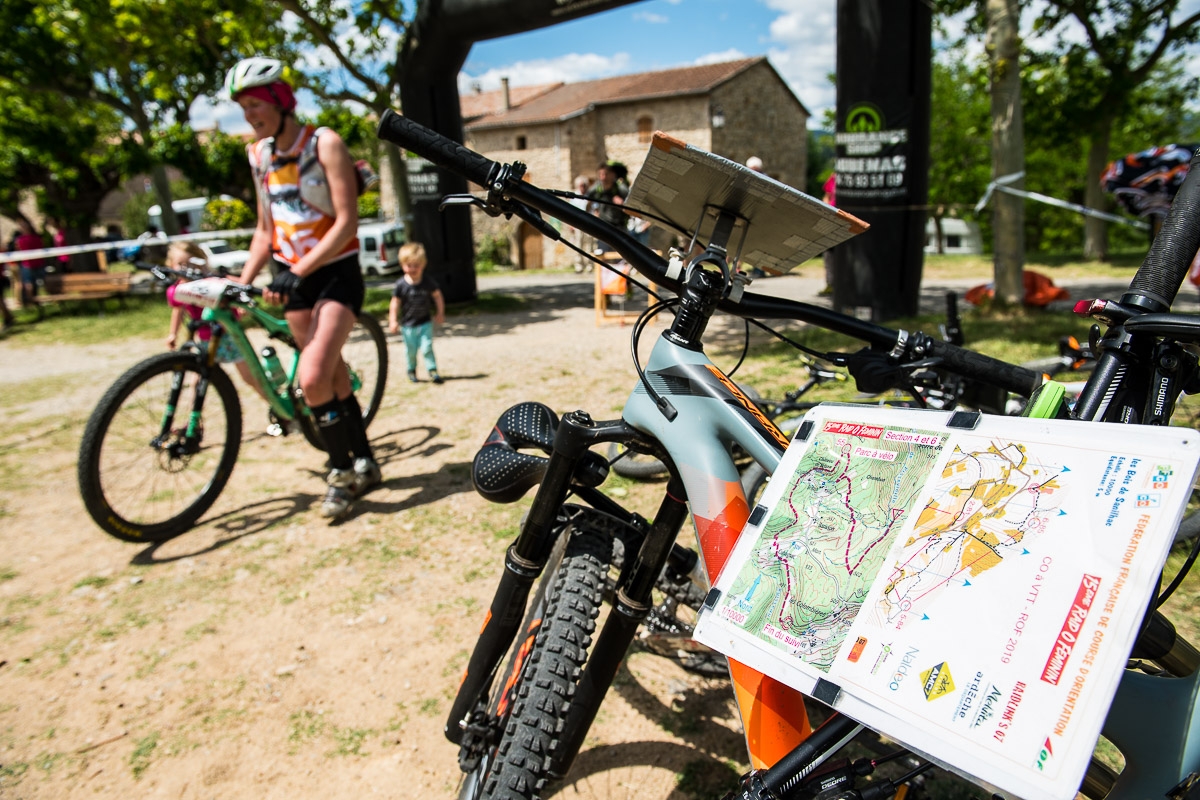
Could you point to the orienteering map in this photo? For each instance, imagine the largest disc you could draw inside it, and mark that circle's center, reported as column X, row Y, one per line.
column 970, row 593
column 827, row 539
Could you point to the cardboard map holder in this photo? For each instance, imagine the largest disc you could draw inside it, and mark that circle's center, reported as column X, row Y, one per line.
column 968, row 585
column 686, row 185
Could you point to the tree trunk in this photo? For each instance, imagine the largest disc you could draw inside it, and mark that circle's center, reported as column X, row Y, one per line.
column 1095, row 230
column 398, row 205
column 1008, row 147
column 162, row 190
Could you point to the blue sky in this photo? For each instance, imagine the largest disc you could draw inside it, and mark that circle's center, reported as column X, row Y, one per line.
column 797, row 36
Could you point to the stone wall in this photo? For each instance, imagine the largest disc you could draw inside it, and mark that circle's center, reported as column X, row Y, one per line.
column 764, row 119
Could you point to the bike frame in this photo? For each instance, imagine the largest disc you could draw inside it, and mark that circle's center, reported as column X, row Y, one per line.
column 281, row 401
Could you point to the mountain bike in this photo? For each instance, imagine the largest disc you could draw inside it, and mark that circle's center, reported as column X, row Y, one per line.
column 521, row 724
column 162, row 442
column 519, row 721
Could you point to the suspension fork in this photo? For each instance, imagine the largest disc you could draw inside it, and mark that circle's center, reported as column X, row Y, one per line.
column 168, row 417
column 524, row 561
column 630, row 606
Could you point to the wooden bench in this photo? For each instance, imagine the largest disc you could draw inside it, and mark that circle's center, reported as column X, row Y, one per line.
column 75, row 286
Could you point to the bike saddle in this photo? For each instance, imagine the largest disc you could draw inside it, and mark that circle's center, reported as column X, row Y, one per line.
column 500, row 472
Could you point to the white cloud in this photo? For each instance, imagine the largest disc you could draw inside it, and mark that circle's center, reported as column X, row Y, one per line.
column 654, row 19
column 570, row 68
column 804, row 51
column 732, row 54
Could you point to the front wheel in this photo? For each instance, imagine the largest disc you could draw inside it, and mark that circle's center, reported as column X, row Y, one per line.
column 505, row 754
column 366, row 356
column 159, row 448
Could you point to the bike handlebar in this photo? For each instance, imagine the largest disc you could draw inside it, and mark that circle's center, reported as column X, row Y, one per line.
column 496, row 177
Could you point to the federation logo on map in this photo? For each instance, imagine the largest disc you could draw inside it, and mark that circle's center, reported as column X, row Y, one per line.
column 937, row 682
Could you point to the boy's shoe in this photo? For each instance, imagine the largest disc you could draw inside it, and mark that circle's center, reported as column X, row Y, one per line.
column 412, row 376
column 366, row 476
column 433, row 376
column 340, row 493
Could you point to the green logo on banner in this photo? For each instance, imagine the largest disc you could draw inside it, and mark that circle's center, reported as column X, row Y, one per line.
column 863, row 118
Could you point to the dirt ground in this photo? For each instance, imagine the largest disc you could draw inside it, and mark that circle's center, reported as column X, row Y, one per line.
column 270, row 654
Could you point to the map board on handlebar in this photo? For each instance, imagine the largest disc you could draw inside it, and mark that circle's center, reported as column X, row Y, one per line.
column 973, row 593
column 779, row 227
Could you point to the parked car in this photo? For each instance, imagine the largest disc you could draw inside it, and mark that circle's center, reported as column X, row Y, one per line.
column 221, row 254
column 379, row 247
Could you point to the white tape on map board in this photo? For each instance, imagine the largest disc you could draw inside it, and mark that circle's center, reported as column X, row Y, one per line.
column 975, row 594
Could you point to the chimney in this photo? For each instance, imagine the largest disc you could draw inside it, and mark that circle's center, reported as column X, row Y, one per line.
column 504, row 95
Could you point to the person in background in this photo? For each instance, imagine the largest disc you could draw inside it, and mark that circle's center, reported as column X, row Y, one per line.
column 755, row 163
column 187, row 255
column 606, row 197
column 416, row 304
column 59, row 239
column 578, row 237
column 112, row 233
column 33, row 271
column 830, row 197
column 6, row 282
column 311, row 228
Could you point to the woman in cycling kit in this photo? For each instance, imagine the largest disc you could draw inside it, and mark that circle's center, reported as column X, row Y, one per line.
column 310, row 227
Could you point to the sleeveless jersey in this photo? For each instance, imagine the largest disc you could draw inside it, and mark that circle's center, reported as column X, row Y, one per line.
column 293, row 194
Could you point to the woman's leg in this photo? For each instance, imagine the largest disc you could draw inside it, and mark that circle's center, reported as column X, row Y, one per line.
column 247, row 376
column 322, row 376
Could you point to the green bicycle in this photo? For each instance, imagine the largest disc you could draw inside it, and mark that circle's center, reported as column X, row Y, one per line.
column 161, row 444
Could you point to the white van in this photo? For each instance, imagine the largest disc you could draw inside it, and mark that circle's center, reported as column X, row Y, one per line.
column 379, row 247
column 188, row 212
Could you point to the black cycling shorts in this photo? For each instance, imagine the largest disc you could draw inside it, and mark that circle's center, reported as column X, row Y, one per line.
column 340, row 281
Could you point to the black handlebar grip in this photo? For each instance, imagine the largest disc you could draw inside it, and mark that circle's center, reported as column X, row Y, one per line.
column 1166, row 265
column 986, row 369
column 441, row 150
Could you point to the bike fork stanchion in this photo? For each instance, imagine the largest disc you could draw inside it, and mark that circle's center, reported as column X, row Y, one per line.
column 168, row 417
column 523, row 563
column 630, row 607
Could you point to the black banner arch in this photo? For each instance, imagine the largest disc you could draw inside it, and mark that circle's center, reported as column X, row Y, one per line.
column 436, row 49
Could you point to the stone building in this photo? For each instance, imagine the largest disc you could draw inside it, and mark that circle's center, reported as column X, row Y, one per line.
column 736, row 109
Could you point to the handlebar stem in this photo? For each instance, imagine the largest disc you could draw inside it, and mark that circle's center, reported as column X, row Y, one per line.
column 698, row 301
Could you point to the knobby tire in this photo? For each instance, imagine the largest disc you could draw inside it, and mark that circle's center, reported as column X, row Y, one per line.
column 567, row 602
column 141, row 491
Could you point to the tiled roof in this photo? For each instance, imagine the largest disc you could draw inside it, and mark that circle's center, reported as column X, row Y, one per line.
column 480, row 104
column 568, row 99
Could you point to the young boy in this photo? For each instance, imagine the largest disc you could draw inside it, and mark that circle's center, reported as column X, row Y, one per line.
column 417, row 295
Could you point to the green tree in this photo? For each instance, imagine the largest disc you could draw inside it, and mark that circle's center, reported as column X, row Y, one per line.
column 71, row 152
column 1057, row 155
column 959, row 165
column 147, row 60
column 364, row 41
column 999, row 22
column 214, row 163
column 1124, row 40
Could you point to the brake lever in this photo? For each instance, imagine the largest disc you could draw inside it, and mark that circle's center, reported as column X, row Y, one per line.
column 468, row 200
